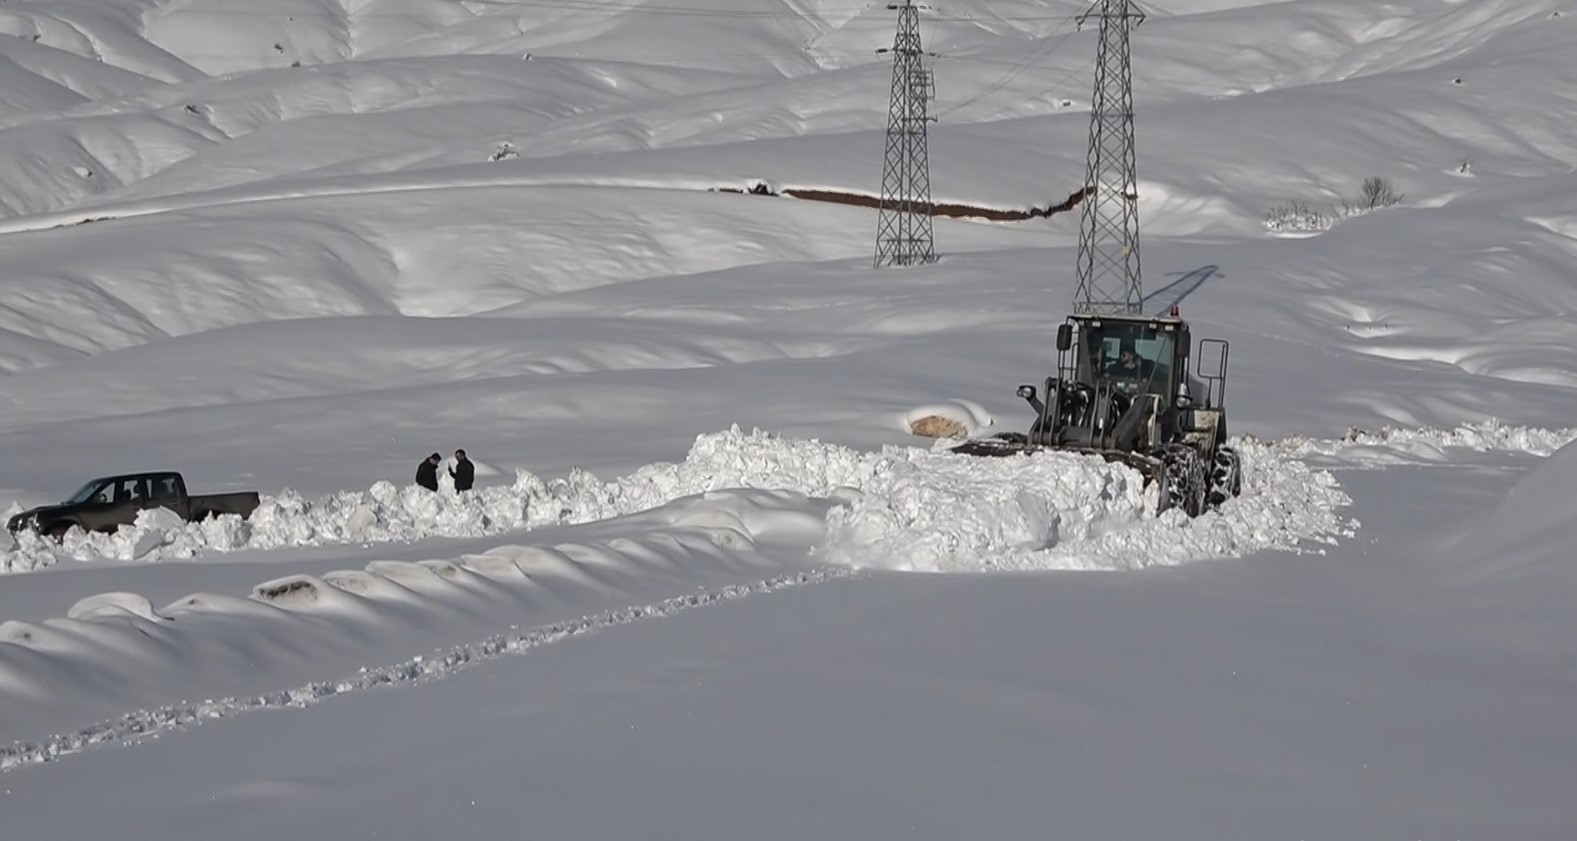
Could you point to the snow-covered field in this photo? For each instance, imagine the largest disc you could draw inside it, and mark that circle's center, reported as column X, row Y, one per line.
column 294, row 247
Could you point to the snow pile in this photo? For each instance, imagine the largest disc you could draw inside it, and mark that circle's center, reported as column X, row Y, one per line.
column 1285, row 505
column 950, row 513
column 901, row 508
column 1002, row 503
column 936, row 511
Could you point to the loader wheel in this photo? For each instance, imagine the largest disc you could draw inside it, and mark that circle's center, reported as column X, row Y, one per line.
column 1182, row 480
column 1226, row 476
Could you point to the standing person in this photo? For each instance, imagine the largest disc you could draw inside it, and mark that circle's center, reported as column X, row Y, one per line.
column 427, row 473
column 463, row 473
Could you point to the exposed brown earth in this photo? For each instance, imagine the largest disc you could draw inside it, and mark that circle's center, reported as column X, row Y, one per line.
column 955, row 211
column 936, row 426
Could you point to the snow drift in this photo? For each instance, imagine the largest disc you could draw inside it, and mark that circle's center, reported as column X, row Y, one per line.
column 1533, row 525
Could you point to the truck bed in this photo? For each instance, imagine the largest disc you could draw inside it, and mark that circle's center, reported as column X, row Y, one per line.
column 241, row 503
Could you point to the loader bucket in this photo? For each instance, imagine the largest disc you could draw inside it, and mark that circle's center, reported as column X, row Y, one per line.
column 1015, row 443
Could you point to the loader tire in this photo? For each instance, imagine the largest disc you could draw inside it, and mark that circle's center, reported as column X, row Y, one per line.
column 1182, row 480
column 1226, row 477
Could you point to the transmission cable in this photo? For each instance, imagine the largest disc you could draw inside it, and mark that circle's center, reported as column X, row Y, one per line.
column 1049, row 88
column 1039, row 52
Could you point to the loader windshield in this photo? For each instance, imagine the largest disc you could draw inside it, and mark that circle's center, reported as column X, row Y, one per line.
column 1135, row 357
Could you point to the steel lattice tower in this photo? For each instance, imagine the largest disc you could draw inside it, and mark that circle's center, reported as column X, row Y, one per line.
column 1109, row 230
column 903, row 231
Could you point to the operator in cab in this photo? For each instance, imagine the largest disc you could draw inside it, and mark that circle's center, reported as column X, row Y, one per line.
column 1129, row 365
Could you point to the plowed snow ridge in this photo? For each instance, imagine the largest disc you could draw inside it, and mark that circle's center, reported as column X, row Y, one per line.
column 906, row 508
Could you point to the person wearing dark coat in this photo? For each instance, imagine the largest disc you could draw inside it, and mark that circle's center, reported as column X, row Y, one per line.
column 463, row 473
column 427, row 473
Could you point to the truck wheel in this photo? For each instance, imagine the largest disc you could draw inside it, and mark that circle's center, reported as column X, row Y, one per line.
column 57, row 531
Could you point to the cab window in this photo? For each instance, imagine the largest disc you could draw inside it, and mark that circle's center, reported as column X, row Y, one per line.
column 1136, row 357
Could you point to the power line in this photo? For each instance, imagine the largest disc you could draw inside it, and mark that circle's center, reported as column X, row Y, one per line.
column 1040, row 51
column 1060, row 81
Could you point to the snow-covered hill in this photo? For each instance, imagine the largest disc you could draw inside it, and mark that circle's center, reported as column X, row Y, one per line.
column 296, row 246
column 246, row 223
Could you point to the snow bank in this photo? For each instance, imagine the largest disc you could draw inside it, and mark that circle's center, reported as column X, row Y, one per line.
column 900, row 508
column 1388, row 445
column 947, row 513
column 386, row 513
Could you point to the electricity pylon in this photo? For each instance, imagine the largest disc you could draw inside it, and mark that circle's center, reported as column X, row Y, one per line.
column 903, row 231
column 1108, row 269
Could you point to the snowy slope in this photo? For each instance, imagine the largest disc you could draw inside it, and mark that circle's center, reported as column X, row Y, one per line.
column 294, row 247
column 297, row 225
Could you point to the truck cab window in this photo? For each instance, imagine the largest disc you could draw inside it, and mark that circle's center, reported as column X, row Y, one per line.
column 88, row 492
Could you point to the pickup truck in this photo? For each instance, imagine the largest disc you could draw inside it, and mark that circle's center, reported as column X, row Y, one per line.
column 107, row 503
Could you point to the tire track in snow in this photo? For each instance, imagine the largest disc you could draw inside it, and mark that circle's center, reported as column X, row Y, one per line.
column 133, row 728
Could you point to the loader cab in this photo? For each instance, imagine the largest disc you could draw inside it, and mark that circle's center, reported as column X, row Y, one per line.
column 1135, row 354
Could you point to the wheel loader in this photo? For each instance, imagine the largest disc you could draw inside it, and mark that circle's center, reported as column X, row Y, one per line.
column 1124, row 390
